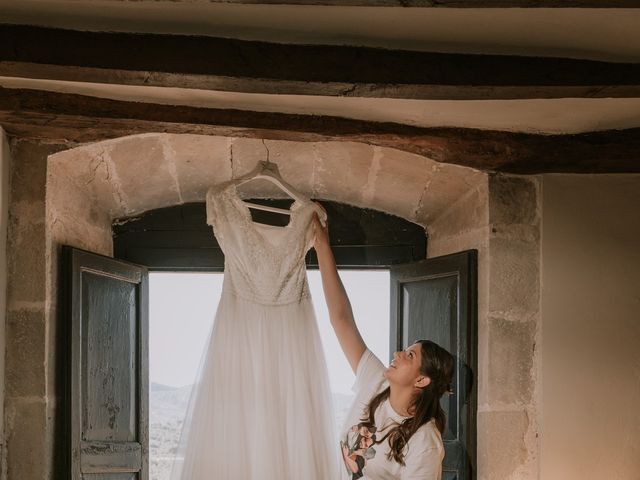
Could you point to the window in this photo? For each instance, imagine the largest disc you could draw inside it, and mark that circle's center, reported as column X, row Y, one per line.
column 178, row 336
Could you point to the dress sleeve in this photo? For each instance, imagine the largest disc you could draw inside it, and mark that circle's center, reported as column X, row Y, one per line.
column 212, row 205
column 322, row 215
column 210, row 213
column 214, row 213
column 369, row 372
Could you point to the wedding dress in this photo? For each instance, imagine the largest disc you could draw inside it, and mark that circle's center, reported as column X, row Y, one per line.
column 261, row 407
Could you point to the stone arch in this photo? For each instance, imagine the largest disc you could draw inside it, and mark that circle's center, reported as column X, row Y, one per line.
column 91, row 185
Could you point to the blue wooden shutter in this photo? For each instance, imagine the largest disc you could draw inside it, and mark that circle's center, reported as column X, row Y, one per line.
column 436, row 299
column 107, row 315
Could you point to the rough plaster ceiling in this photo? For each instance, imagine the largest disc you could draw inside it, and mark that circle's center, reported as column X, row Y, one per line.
column 551, row 116
column 601, row 34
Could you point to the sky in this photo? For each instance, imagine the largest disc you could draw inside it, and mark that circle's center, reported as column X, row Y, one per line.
column 182, row 309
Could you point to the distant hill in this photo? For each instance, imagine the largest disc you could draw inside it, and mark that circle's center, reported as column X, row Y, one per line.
column 168, row 401
column 167, row 407
column 158, row 387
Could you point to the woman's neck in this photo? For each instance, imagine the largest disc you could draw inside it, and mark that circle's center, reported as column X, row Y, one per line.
column 400, row 400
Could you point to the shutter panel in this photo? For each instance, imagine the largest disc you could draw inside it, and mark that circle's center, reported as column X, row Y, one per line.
column 107, row 314
column 436, row 299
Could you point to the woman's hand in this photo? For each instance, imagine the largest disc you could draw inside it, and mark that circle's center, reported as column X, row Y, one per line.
column 321, row 232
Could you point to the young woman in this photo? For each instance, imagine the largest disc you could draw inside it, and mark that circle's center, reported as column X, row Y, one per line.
column 394, row 428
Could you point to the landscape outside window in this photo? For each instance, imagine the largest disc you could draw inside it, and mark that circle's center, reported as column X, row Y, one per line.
column 181, row 312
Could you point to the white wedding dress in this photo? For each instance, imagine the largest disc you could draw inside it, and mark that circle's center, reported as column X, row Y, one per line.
column 261, row 407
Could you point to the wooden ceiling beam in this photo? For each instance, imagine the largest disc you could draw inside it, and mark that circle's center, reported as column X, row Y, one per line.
column 447, row 3
column 208, row 63
column 48, row 115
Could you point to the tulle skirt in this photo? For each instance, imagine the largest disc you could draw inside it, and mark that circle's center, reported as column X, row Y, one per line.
column 261, row 407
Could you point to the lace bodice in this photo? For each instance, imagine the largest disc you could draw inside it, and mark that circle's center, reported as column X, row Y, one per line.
column 263, row 263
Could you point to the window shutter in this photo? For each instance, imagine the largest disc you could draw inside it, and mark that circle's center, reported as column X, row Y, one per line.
column 435, row 299
column 105, row 308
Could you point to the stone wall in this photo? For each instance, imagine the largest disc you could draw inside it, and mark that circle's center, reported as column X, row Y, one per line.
column 30, row 381
column 4, row 218
column 510, row 417
column 501, row 219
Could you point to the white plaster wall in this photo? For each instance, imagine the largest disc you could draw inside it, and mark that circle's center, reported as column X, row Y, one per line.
column 4, row 216
column 591, row 327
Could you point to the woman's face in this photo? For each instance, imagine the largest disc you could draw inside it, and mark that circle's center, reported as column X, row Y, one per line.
column 405, row 367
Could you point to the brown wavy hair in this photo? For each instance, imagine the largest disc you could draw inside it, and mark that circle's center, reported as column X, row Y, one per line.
column 438, row 365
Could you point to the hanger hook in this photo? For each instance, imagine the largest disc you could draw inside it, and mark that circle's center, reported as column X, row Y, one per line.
column 267, row 148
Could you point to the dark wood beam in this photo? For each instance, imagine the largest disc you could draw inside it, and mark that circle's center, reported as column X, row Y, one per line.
column 447, row 3
column 257, row 67
column 47, row 115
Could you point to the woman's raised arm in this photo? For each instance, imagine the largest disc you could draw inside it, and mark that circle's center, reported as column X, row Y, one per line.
column 340, row 311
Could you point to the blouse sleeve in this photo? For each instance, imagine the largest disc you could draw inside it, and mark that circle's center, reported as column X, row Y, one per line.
column 423, row 460
column 369, row 372
column 429, row 466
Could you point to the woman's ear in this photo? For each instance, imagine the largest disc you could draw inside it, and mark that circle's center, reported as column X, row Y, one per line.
column 422, row 381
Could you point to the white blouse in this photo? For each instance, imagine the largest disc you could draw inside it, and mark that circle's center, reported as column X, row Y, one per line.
column 361, row 458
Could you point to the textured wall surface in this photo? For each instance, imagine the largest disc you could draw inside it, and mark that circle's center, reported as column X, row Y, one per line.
column 30, row 396
column 130, row 175
column 591, row 327
column 4, row 218
column 509, row 413
column 501, row 219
